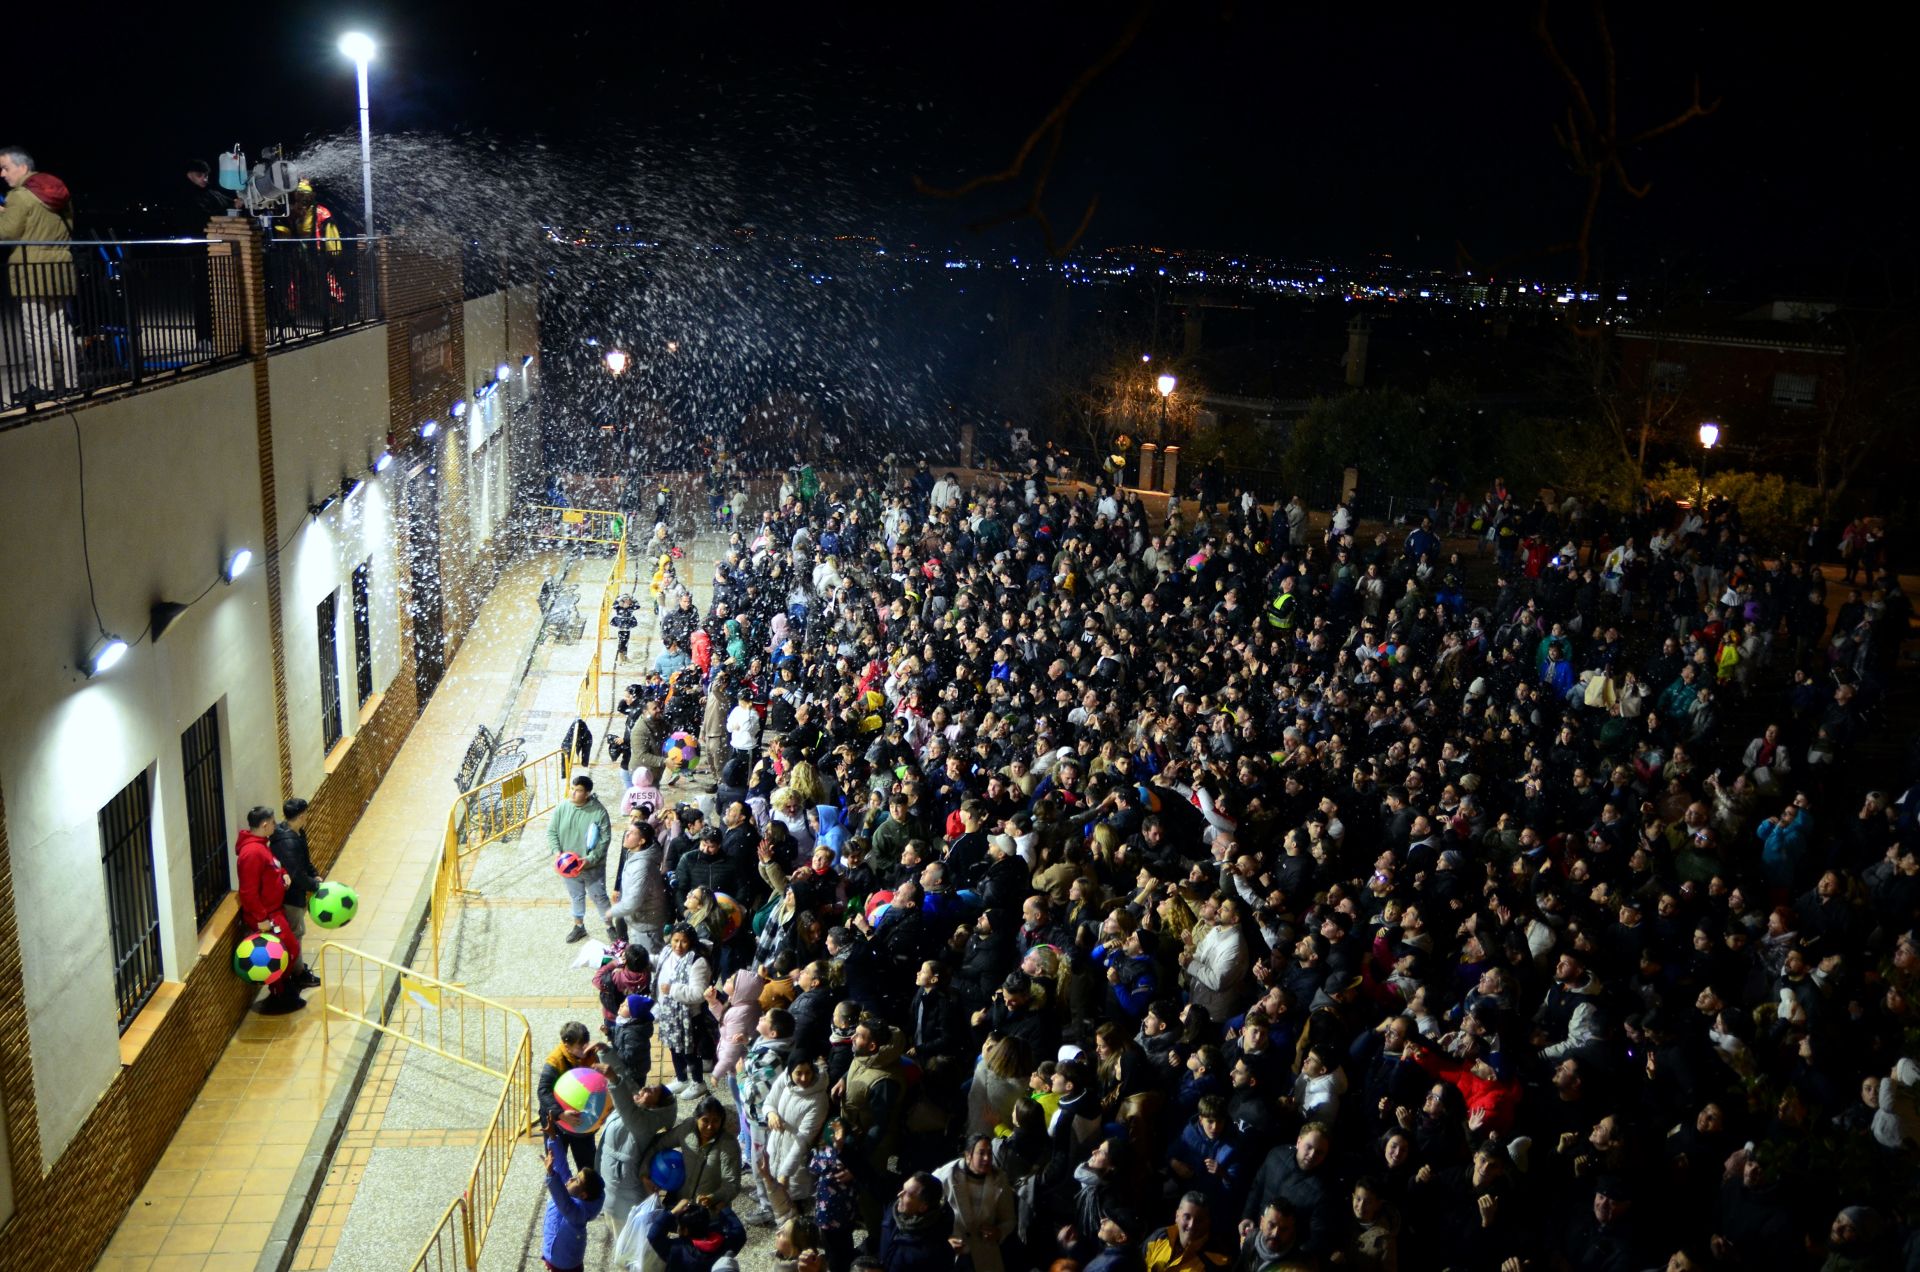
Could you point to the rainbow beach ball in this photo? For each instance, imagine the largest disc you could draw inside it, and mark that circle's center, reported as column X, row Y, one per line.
column 583, row 1100
column 260, row 958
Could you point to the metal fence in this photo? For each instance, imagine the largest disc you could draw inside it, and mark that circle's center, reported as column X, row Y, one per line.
column 316, row 287
column 84, row 317
column 460, row 1026
column 496, row 808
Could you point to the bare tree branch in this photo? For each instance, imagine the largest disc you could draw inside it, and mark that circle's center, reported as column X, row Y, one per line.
column 1050, row 129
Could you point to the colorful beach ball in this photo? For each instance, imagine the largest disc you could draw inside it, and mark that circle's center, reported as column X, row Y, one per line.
column 569, row 864
column 260, row 958
column 583, row 1100
column 668, row 1170
column 333, row 905
column 682, row 751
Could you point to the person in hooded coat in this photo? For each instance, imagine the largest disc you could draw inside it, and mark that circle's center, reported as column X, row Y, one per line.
column 38, row 214
column 796, row 1110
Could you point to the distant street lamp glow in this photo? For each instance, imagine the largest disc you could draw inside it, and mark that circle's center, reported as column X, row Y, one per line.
column 1165, row 384
column 359, row 48
column 617, row 361
column 1709, row 435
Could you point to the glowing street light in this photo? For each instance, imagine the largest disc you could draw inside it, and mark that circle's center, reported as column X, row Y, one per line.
column 1165, row 384
column 617, row 361
column 1709, row 438
column 358, row 48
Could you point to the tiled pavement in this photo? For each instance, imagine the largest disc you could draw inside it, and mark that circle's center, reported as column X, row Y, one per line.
column 411, row 1134
column 230, row 1188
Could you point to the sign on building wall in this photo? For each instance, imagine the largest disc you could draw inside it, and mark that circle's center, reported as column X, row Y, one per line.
column 430, row 350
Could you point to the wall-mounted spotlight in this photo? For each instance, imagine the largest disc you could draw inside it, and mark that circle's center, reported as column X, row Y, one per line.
column 326, row 501
column 237, row 564
column 460, row 410
column 428, row 429
column 350, row 486
column 503, row 373
column 107, row 656
column 383, row 463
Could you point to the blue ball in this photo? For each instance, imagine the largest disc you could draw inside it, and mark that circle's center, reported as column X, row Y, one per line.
column 668, row 1170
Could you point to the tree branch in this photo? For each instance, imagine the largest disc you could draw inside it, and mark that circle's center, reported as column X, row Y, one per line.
column 1051, row 128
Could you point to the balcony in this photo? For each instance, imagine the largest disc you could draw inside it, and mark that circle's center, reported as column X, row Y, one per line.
column 118, row 314
column 320, row 287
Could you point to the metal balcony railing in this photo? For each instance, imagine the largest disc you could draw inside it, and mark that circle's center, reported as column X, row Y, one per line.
column 81, row 318
column 316, row 287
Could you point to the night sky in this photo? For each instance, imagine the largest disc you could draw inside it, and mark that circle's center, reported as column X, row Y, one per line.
column 1294, row 130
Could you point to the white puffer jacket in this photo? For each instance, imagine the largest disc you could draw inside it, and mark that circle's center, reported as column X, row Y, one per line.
column 803, row 1112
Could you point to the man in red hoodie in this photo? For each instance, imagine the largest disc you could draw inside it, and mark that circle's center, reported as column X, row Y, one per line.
column 38, row 214
column 263, row 894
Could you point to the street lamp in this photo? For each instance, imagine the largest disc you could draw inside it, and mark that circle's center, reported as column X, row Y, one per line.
column 1165, row 384
column 358, row 47
column 617, row 361
column 1709, row 438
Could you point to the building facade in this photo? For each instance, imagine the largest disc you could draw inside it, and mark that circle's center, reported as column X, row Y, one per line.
column 368, row 467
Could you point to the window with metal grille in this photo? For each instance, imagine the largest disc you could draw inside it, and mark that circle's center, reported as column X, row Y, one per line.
column 133, row 908
column 1790, row 389
column 363, row 631
column 328, row 620
column 206, row 815
column 1668, row 377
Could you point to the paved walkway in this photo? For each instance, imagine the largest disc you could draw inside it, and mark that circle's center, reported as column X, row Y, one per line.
column 226, row 1193
column 412, row 1134
column 409, row 1136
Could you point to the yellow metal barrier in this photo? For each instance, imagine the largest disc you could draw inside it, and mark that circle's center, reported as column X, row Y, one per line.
column 579, row 525
column 597, row 685
column 491, row 811
column 428, row 1013
column 450, row 1248
column 459, row 1026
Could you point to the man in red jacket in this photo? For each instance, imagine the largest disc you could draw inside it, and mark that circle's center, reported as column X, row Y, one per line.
column 263, row 894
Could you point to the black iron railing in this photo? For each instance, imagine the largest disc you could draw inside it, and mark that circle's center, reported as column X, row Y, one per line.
column 81, row 318
column 316, row 287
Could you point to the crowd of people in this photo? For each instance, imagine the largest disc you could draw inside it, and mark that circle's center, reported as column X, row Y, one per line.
column 1079, row 888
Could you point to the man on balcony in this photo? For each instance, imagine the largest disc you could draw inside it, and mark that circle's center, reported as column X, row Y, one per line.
column 38, row 215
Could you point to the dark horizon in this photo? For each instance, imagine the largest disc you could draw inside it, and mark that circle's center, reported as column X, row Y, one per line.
column 1314, row 134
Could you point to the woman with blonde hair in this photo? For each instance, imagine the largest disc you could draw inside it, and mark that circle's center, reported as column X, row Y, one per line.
column 803, row 779
column 999, row 1082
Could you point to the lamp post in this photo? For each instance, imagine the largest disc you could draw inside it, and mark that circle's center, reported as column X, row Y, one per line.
column 617, row 361
column 358, row 46
column 1165, row 385
column 1709, row 438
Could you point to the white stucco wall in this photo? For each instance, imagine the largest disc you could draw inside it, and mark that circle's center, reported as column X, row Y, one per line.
column 172, row 485
column 330, row 419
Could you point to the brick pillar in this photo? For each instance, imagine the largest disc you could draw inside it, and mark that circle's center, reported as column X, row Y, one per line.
column 1149, row 460
column 1170, row 471
column 241, row 241
column 244, row 242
